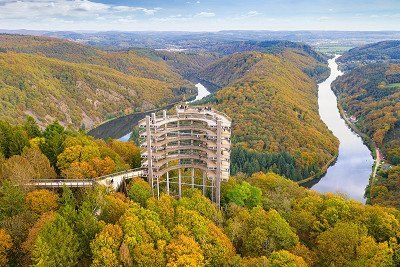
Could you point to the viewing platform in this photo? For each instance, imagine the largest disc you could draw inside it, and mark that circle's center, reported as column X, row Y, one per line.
column 191, row 138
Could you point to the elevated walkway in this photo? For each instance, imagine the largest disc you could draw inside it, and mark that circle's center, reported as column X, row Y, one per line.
column 113, row 180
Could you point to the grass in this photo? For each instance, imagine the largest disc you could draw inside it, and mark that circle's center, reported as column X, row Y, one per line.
column 333, row 49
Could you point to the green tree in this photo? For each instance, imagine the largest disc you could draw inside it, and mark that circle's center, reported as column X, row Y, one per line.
column 56, row 245
column 68, row 205
column 337, row 246
column 244, row 194
column 139, row 191
column 19, row 140
column 11, row 200
column 267, row 232
column 31, row 127
column 87, row 226
column 5, row 138
column 54, row 135
column 203, row 205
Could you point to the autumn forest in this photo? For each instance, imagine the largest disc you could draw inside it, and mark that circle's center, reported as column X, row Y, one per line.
column 53, row 91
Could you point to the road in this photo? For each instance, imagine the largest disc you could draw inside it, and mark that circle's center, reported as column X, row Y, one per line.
column 377, row 162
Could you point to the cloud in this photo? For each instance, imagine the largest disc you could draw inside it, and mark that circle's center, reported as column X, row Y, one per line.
column 252, row 13
column 46, row 9
column 205, row 14
column 134, row 9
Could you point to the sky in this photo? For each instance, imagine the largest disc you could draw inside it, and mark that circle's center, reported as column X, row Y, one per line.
column 199, row 15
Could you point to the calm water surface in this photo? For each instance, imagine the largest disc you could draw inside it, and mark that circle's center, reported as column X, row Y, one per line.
column 201, row 93
column 350, row 174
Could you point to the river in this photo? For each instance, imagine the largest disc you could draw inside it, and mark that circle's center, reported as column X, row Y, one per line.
column 352, row 169
column 201, row 93
column 350, row 174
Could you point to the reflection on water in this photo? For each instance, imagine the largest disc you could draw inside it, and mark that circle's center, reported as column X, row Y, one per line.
column 350, row 174
column 202, row 92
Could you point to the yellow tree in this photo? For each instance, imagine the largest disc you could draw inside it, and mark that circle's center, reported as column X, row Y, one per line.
column 184, row 251
column 103, row 166
column 284, row 258
column 5, row 245
column 41, row 201
column 128, row 152
column 105, row 246
column 40, row 163
column 114, row 207
column 337, row 246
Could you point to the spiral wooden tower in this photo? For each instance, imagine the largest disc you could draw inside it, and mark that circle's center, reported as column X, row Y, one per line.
column 194, row 140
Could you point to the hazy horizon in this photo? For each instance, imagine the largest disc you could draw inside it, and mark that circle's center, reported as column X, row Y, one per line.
column 200, row 16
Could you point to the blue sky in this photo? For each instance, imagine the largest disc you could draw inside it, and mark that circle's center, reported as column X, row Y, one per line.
column 200, row 15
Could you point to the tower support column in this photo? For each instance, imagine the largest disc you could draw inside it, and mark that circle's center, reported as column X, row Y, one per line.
column 149, row 154
column 218, row 176
column 168, row 183
column 204, row 183
column 179, row 183
column 192, row 177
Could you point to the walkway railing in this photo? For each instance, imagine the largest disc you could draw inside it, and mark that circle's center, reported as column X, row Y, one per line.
column 113, row 179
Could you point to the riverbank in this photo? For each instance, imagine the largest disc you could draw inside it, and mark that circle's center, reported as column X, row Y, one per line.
column 366, row 139
column 318, row 175
column 121, row 126
column 375, row 152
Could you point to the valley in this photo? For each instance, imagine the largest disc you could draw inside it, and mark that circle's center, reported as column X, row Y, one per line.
column 285, row 73
column 285, row 100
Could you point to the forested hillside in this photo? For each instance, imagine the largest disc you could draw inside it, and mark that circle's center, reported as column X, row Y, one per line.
column 372, row 94
column 80, row 86
column 188, row 64
column 74, row 94
column 265, row 219
column 381, row 52
column 128, row 62
column 273, row 105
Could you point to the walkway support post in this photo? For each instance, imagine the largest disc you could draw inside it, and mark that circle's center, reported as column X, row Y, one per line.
column 167, row 183
column 212, row 190
column 192, row 177
column 179, row 183
column 218, row 176
column 149, row 153
column 204, row 183
column 158, row 188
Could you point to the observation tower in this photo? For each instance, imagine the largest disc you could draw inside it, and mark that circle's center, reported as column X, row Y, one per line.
column 189, row 148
